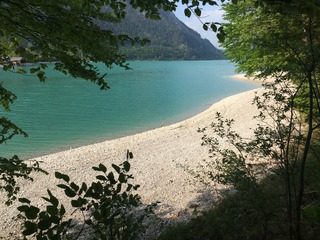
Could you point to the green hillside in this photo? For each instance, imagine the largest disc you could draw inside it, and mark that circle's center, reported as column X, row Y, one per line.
column 170, row 38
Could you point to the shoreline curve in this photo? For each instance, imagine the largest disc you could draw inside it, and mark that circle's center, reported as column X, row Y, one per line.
column 236, row 77
column 156, row 166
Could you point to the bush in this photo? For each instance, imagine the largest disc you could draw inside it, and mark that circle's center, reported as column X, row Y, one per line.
column 107, row 206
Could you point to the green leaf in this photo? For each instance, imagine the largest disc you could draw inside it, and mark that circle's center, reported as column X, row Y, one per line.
column 23, row 208
column 47, row 199
column 53, row 199
column 32, row 212
column 84, row 187
column 124, row 195
column 69, row 192
column 111, row 178
column 122, row 178
column 24, row 200
column 62, row 210
column 221, row 37
column 205, row 27
column 129, row 155
column 129, row 187
column 55, row 219
column 119, row 186
column 198, row 11
column 187, row 12
column 34, row 70
column 63, row 186
column 5, row 68
column 213, row 27
column 96, row 168
column 41, row 76
column 74, row 186
column 102, row 168
column 135, row 187
column 97, row 215
column 89, row 222
column 43, row 65
column 75, row 203
column 101, row 178
column 21, row 71
column 62, row 176
column 52, row 210
column 126, row 166
column 117, row 168
column 44, row 224
column 30, row 228
column 78, row 202
column 82, row 201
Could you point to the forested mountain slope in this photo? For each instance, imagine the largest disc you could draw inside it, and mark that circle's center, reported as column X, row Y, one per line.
column 170, row 38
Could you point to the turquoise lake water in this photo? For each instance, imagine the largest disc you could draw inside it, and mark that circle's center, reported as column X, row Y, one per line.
column 66, row 112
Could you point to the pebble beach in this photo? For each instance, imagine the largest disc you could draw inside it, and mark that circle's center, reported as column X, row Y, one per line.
column 156, row 165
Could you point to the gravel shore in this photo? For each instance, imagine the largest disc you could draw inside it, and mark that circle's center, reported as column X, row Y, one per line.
column 155, row 166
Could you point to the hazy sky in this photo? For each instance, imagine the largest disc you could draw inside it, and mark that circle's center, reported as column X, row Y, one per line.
column 209, row 14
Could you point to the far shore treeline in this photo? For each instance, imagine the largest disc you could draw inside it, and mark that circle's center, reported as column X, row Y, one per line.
column 170, row 39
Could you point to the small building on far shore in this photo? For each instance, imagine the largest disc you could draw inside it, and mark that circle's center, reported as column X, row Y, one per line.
column 16, row 61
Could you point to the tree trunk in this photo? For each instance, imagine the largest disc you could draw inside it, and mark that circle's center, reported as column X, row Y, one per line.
column 304, row 160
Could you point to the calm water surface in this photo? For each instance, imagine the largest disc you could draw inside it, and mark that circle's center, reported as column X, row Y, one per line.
column 66, row 112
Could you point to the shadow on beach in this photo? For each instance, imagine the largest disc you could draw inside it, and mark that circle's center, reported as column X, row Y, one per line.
column 166, row 216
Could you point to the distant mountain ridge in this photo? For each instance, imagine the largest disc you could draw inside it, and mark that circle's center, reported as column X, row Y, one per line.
column 170, row 38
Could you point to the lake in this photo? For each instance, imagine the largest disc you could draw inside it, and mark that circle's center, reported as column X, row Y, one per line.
column 65, row 112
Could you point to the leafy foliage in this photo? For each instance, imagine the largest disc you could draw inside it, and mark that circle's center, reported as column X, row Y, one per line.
column 62, row 31
column 280, row 39
column 69, row 35
column 231, row 165
column 273, row 154
column 194, row 7
column 11, row 170
column 107, row 206
column 66, row 31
